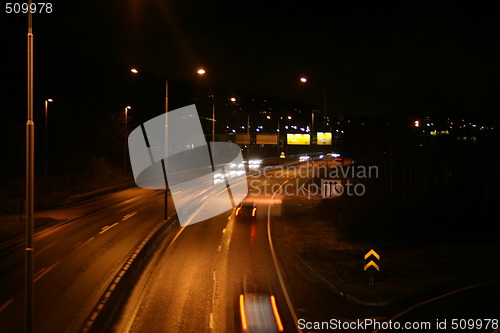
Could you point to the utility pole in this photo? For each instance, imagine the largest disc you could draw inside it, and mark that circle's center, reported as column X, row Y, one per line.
column 30, row 185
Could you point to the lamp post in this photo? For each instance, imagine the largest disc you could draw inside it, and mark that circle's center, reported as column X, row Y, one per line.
column 201, row 72
column 47, row 101
column 30, row 186
column 125, row 134
column 303, row 80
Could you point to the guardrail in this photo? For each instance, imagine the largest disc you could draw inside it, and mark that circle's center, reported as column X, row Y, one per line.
column 89, row 195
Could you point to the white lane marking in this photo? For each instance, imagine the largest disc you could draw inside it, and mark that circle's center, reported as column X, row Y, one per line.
column 211, row 321
column 44, row 271
column 275, row 260
column 126, row 217
column 131, row 199
column 106, row 228
column 6, row 304
column 44, row 249
column 83, row 243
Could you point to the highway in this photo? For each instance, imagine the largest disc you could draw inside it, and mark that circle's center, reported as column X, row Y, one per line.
column 75, row 261
column 194, row 283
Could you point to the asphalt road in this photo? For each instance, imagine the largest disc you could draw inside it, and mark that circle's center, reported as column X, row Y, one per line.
column 198, row 276
column 195, row 281
column 75, row 261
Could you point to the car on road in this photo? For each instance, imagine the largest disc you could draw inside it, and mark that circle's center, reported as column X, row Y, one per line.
column 259, row 313
column 246, row 210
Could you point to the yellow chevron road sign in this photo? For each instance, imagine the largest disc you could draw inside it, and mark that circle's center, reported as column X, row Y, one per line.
column 372, row 259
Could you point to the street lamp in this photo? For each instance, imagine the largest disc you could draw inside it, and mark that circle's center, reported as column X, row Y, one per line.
column 47, row 101
column 125, row 134
column 30, row 185
column 201, row 71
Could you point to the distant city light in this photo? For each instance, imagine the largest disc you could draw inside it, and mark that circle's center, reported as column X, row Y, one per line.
column 201, row 71
column 133, row 70
column 417, row 123
column 232, row 99
column 303, row 80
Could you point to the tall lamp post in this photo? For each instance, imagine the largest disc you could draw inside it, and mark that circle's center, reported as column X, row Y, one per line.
column 135, row 71
column 125, row 134
column 201, row 72
column 30, row 185
column 47, row 101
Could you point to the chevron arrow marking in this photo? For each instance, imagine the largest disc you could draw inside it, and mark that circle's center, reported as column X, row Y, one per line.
column 372, row 251
column 372, row 263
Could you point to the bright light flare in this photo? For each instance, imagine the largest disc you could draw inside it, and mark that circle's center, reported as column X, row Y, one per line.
column 201, row 71
column 303, row 79
column 276, row 314
column 243, row 315
column 134, row 70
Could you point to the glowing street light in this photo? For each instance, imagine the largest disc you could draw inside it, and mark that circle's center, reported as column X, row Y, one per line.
column 303, row 79
column 232, row 99
column 134, row 70
column 201, row 71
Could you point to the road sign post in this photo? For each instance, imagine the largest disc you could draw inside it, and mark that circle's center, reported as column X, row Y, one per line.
column 372, row 260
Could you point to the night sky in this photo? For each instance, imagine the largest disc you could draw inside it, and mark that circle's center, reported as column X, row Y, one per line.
column 369, row 58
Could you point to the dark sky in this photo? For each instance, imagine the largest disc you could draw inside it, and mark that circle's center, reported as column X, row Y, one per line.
column 396, row 58
column 369, row 57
